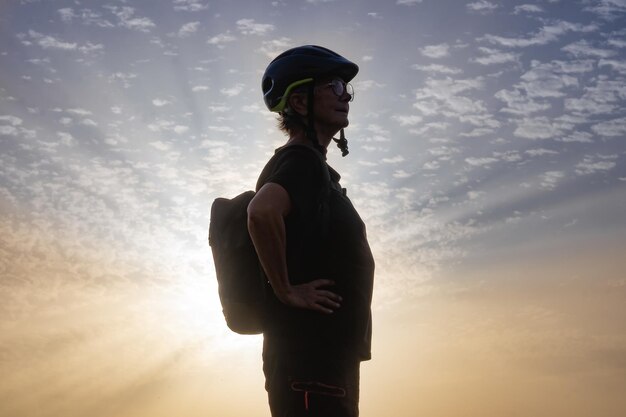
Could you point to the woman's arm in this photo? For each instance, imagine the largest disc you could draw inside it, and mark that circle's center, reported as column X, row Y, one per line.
column 266, row 225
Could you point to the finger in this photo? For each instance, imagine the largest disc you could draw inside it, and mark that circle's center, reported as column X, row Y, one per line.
column 322, row 283
column 331, row 295
column 329, row 304
column 322, row 309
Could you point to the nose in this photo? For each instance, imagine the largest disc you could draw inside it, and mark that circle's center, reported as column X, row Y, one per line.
column 348, row 92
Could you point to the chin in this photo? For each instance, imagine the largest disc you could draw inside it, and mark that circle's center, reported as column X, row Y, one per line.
column 344, row 122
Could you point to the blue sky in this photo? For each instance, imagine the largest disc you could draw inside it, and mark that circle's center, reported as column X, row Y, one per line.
column 487, row 157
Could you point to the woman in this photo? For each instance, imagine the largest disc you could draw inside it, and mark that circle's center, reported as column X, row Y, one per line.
column 311, row 243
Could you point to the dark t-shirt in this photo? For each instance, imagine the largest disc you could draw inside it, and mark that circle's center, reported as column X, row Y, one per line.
column 341, row 254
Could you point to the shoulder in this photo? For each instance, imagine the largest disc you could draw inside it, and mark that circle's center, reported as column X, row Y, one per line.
column 300, row 153
column 297, row 162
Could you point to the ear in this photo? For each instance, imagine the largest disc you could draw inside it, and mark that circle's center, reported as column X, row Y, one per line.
column 298, row 103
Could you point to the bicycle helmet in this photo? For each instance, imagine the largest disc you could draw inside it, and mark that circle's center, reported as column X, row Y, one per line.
column 298, row 66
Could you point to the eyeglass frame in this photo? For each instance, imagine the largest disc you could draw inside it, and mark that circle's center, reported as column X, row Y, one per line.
column 345, row 87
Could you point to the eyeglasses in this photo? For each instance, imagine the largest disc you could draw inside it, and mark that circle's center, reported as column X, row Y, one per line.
column 339, row 87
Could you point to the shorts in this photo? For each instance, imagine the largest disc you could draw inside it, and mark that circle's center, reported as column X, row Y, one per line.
column 311, row 387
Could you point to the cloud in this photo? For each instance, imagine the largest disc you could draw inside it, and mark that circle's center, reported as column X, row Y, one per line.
column 517, row 102
column 545, row 35
column 8, row 130
column 366, row 85
column 66, row 138
column 540, row 152
column 67, row 14
column 161, row 125
column 527, row 8
column 221, row 39
column 400, row 173
column 611, row 128
column 180, row 129
column 437, row 68
column 222, row 129
column 478, row 162
column 482, row 6
column 540, row 128
column 494, row 56
column 187, row 29
column 395, row 160
column 408, row 2
column 545, row 80
column 189, row 5
column 274, row 47
column 590, row 165
column 407, row 120
column 583, row 48
column 91, row 49
column 13, row 120
column 50, row 42
column 126, row 19
column 443, row 97
column 580, row 137
column 160, row 145
column 608, row 9
column 14, row 128
column 619, row 66
column 617, row 42
column 198, row 88
column 123, row 77
column 160, row 102
column 475, row 195
column 219, row 108
column 233, row 91
column 86, row 17
column 250, row 27
column 79, row 111
column 435, row 51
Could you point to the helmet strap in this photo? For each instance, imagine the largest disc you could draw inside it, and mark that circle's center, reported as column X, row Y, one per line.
column 342, row 143
column 310, row 128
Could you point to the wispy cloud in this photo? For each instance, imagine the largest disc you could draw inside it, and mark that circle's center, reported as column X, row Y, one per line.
column 482, row 6
column 541, row 128
column 493, row 56
column 437, row 68
column 611, row 128
column 127, row 19
column 408, row 2
column 190, row 5
column 221, row 39
column 528, row 8
column 251, row 27
column 435, row 51
column 274, row 47
column 50, row 42
column 233, row 91
column 594, row 164
column 188, row 29
column 544, row 36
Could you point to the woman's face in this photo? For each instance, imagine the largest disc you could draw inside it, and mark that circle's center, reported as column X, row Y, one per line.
column 331, row 104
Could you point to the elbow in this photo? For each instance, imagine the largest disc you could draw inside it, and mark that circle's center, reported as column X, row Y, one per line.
column 255, row 217
column 259, row 215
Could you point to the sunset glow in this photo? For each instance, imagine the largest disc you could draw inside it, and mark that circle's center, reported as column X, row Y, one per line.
column 487, row 158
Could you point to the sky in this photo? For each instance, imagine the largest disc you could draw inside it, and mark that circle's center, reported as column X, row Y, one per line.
column 487, row 158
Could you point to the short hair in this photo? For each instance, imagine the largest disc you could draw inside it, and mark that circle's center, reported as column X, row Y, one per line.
column 290, row 122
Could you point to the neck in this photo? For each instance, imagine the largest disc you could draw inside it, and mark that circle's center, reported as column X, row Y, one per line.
column 324, row 137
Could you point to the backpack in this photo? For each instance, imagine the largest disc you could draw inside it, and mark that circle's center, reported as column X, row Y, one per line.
column 242, row 285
